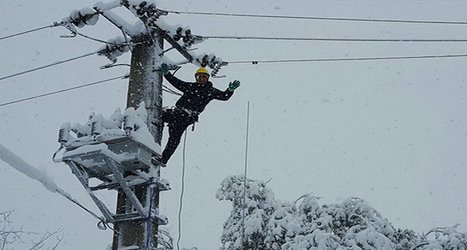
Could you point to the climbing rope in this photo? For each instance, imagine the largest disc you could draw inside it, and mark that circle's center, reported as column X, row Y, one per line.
column 181, row 194
column 245, row 171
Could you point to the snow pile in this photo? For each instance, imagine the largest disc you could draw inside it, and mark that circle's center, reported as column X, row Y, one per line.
column 97, row 129
column 83, row 17
column 266, row 223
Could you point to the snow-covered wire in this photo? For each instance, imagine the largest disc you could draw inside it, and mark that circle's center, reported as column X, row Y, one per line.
column 63, row 90
column 318, row 18
column 48, row 65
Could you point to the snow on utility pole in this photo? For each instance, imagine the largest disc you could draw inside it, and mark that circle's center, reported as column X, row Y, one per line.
column 145, row 85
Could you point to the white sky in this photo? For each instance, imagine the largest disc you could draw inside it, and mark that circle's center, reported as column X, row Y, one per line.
column 391, row 132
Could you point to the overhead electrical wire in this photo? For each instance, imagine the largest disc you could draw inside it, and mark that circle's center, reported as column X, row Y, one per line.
column 74, row 33
column 347, row 59
column 319, row 18
column 63, row 90
column 29, row 31
column 46, row 66
column 331, row 39
column 275, row 16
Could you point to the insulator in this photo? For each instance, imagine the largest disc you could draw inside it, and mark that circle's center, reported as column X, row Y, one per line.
column 120, row 47
column 96, row 128
column 204, row 61
column 186, row 39
column 152, row 10
column 217, row 67
column 178, row 34
column 188, row 32
column 140, row 8
column 128, row 123
column 189, row 43
column 63, row 134
column 179, row 30
column 86, row 18
column 213, row 62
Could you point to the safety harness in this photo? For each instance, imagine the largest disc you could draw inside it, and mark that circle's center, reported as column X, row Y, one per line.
column 190, row 113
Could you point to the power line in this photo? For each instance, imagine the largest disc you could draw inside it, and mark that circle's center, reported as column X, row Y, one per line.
column 63, row 90
column 319, row 18
column 29, row 31
column 331, row 39
column 347, row 59
column 46, row 66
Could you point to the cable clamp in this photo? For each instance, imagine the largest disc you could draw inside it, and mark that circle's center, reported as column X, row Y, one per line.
column 69, row 27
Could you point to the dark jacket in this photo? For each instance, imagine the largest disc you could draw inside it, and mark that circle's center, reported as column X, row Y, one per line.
column 196, row 96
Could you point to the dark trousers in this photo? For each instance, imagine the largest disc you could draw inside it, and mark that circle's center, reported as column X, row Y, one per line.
column 177, row 120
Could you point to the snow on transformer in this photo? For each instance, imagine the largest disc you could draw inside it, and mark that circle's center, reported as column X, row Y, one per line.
column 118, row 153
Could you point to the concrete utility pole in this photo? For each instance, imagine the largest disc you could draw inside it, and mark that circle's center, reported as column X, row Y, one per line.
column 145, row 85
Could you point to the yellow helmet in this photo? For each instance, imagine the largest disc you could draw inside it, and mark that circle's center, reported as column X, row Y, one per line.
column 202, row 70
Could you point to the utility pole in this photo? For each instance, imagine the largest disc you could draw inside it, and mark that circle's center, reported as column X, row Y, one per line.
column 145, row 85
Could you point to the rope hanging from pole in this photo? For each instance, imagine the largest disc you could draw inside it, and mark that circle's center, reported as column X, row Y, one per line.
column 245, row 171
column 181, row 194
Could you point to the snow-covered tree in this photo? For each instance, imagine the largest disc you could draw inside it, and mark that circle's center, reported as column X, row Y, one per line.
column 259, row 221
column 246, row 226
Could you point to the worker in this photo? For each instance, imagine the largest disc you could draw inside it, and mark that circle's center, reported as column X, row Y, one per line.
column 196, row 95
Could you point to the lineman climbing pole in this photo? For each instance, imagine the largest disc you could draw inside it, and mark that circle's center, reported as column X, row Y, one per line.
column 136, row 219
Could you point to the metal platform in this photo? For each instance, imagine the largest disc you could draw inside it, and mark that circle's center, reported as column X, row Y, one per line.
column 121, row 164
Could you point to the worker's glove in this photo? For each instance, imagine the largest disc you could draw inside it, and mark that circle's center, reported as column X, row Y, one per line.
column 233, row 85
column 164, row 69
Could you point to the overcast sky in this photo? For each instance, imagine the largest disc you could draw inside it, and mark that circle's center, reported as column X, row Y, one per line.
column 391, row 132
